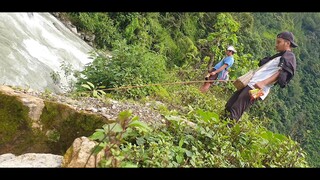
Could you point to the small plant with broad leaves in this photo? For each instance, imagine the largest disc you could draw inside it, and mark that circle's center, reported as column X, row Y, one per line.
column 112, row 135
column 96, row 93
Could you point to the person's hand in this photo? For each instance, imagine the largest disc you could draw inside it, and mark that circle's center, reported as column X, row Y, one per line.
column 255, row 93
column 207, row 76
column 259, row 85
column 212, row 73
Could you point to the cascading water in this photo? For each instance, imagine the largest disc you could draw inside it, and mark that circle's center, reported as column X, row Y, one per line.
column 33, row 46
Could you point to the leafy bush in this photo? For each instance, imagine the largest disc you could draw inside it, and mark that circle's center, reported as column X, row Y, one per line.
column 99, row 24
column 130, row 65
column 207, row 143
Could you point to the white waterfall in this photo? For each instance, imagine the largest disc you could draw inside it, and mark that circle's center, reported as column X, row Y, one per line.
column 33, row 45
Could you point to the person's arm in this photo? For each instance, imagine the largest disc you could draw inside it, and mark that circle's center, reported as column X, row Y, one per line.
column 267, row 81
column 219, row 70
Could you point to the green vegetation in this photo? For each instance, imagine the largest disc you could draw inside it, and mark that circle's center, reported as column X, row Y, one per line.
column 210, row 143
column 167, row 47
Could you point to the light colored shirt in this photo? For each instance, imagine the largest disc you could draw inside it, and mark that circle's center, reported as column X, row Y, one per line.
column 268, row 69
column 229, row 60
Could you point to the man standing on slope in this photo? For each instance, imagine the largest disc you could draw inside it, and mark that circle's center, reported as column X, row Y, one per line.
column 278, row 69
column 220, row 70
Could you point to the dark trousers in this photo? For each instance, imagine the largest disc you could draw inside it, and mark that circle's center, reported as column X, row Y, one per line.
column 238, row 103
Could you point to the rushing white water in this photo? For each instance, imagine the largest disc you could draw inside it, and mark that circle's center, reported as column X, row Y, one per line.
column 33, row 45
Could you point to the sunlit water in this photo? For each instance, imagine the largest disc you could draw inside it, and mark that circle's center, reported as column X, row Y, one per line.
column 33, row 45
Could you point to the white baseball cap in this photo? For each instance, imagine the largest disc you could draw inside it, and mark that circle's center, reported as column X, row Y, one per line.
column 231, row 48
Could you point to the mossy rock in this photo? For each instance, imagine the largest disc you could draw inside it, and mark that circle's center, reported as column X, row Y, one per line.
column 66, row 124
column 17, row 135
column 60, row 125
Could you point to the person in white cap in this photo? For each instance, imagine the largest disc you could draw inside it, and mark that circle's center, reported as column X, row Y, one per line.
column 220, row 70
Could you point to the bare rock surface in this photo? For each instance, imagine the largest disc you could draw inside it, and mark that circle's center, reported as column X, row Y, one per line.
column 108, row 108
column 31, row 160
column 79, row 154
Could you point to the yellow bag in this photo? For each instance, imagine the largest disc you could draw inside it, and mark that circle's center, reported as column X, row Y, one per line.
column 243, row 80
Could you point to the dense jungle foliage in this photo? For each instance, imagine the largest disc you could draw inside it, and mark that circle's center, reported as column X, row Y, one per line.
column 162, row 47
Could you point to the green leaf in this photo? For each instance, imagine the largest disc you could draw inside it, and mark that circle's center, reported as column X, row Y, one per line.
column 102, row 92
column 193, row 163
column 140, row 141
column 280, row 137
column 86, row 86
column 140, row 125
column 236, row 128
column 181, row 142
column 99, row 135
column 90, row 84
column 129, row 165
column 135, row 118
column 113, row 127
column 189, row 153
column 123, row 115
column 179, row 158
column 209, row 135
column 108, row 162
column 116, row 128
column 95, row 93
column 173, row 118
column 207, row 116
column 96, row 149
column 106, row 128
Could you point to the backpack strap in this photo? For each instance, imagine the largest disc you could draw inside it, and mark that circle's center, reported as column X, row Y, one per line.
column 268, row 58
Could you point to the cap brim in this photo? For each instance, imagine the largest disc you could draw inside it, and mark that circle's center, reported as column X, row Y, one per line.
column 294, row 44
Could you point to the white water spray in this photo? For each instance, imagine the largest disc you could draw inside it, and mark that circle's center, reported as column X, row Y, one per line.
column 33, row 45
